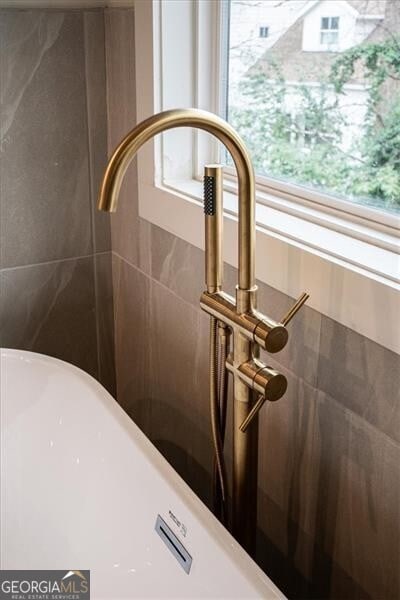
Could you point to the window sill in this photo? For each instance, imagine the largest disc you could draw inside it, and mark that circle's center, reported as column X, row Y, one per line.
column 346, row 277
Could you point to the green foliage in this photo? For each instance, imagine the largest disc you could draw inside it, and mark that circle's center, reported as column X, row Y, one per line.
column 384, row 145
column 378, row 62
column 382, row 182
column 306, row 145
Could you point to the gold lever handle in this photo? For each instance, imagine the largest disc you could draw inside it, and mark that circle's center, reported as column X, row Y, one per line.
column 252, row 414
column 270, row 384
column 295, row 308
column 272, row 336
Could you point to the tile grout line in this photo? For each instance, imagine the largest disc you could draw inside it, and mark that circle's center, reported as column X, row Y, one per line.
column 90, row 184
column 115, row 277
column 322, row 317
column 154, row 280
column 52, row 262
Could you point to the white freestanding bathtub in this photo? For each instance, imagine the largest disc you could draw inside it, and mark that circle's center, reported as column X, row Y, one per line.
column 82, row 488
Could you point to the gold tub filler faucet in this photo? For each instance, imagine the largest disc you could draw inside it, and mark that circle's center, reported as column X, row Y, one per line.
column 253, row 381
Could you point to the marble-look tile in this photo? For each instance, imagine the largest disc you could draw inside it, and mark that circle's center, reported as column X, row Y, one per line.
column 44, row 195
column 132, row 345
column 179, row 387
column 50, row 308
column 120, row 66
column 288, row 472
column 105, row 320
column 201, row 456
column 357, row 513
column 361, row 375
column 130, row 234
column 95, row 72
column 181, row 266
column 283, row 570
column 202, row 446
column 177, row 264
column 161, row 364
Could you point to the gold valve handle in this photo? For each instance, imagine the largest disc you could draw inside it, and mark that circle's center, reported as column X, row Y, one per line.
column 270, row 385
column 295, row 308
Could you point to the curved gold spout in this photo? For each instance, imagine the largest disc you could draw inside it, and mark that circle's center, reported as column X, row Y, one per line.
column 209, row 122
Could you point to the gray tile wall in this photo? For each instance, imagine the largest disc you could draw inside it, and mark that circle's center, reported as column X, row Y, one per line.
column 329, row 454
column 55, row 252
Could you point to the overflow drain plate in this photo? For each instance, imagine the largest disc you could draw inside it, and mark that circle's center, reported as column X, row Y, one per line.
column 173, row 544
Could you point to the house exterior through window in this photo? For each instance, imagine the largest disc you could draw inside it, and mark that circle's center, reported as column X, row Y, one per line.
column 312, row 107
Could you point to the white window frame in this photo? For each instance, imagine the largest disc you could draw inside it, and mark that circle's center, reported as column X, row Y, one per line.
column 329, row 30
column 345, row 255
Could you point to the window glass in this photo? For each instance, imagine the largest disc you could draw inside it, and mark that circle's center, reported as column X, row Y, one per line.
column 325, row 23
column 326, row 120
column 329, row 38
column 334, row 23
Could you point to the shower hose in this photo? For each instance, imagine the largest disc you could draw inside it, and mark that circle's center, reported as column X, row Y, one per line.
column 219, row 349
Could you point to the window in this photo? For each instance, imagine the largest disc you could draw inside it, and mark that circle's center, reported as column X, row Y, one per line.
column 329, row 123
column 305, row 234
column 329, row 31
column 263, row 32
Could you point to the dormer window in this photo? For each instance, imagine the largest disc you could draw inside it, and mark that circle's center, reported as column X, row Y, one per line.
column 263, row 32
column 329, row 31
